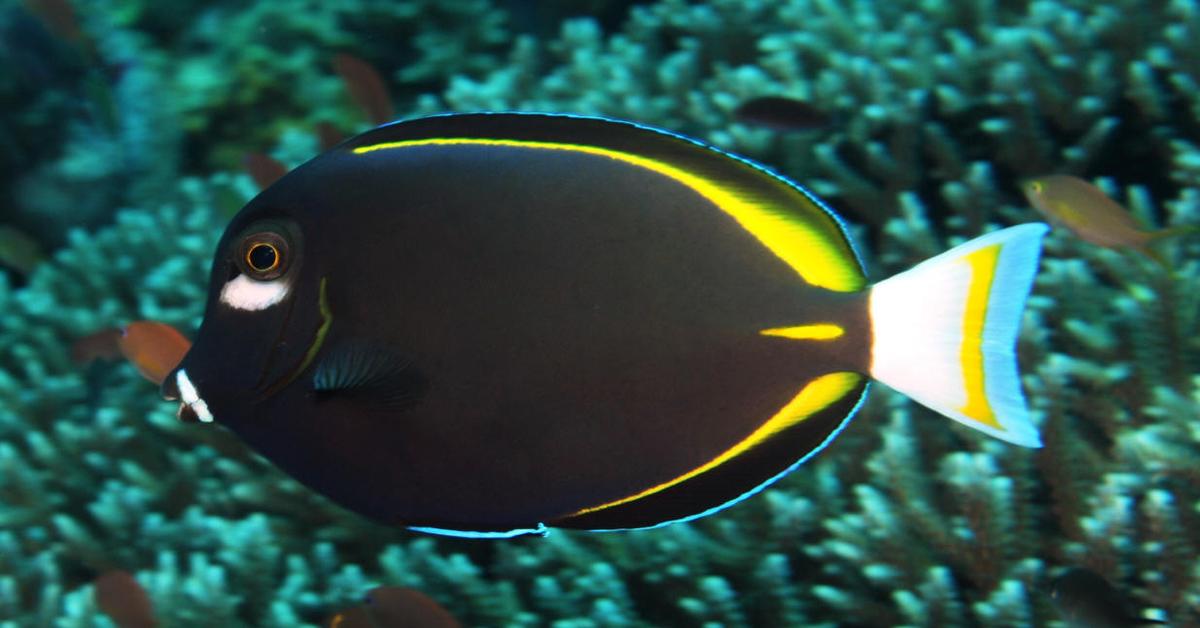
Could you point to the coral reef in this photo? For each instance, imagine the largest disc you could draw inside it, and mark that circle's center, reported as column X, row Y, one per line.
column 905, row 520
column 111, row 121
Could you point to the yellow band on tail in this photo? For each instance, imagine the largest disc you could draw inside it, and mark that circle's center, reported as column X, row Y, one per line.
column 944, row 332
column 983, row 271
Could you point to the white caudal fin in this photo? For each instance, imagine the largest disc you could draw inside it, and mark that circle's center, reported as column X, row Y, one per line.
column 945, row 331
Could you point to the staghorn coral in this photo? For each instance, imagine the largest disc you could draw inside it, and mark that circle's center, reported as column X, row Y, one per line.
column 904, row 520
column 153, row 89
column 248, row 73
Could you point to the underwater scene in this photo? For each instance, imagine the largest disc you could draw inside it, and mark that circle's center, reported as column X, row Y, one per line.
column 374, row 313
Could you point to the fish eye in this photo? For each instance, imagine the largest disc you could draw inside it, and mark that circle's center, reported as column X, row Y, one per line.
column 1036, row 187
column 264, row 255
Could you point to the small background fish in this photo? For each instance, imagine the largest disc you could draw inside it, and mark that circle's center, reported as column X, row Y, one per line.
column 781, row 114
column 1086, row 600
column 1090, row 214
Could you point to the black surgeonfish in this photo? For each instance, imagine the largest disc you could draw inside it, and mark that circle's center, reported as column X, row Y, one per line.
column 490, row 324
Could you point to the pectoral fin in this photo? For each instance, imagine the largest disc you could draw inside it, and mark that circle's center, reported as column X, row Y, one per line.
column 371, row 372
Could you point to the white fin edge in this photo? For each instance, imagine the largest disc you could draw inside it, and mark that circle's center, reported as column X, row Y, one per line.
column 926, row 345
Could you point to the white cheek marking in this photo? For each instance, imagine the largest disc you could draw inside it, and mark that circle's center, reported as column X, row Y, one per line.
column 244, row 293
column 187, row 392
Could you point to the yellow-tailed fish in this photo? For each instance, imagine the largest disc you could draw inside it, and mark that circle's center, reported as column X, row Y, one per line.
column 490, row 324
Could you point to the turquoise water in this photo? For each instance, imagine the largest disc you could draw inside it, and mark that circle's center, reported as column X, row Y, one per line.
column 124, row 145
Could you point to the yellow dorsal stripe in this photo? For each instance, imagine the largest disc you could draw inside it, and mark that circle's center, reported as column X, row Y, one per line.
column 817, row 331
column 983, row 270
column 812, row 253
column 817, row 395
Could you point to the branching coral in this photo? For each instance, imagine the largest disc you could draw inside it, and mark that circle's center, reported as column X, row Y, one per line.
column 150, row 92
column 247, row 74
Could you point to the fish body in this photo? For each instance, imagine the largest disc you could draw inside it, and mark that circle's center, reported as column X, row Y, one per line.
column 1089, row 213
column 103, row 344
column 402, row 606
column 365, row 86
column 19, row 251
column 154, row 348
column 119, row 596
column 780, row 113
column 395, row 607
column 1086, row 599
column 487, row 324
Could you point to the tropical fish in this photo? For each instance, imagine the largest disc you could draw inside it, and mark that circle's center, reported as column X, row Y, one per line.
column 1090, row 214
column 126, row 603
column 263, row 168
column 104, row 344
column 395, row 607
column 402, row 606
column 59, row 17
column 779, row 113
column 489, row 324
column 154, row 348
column 353, row 617
column 328, row 135
column 1084, row 598
column 365, row 86
column 19, row 251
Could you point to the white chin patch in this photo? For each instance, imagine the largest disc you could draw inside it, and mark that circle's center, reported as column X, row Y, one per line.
column 244, row 293
column 189, row 395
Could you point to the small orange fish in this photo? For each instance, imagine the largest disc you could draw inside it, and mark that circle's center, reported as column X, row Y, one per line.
column 100, row 345
column 328, row 135
column 366, row 87
column 354, row 617
column 59, row 17
column 263, row 168
column 154, row 348
column 401, row 606
column 395, row 607
column 1090, row 214
column 126, row 603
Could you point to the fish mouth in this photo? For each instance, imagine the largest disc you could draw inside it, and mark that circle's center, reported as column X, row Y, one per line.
column 192, row 408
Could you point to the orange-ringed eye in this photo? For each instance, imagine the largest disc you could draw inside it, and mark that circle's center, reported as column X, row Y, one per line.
column 262, row 257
